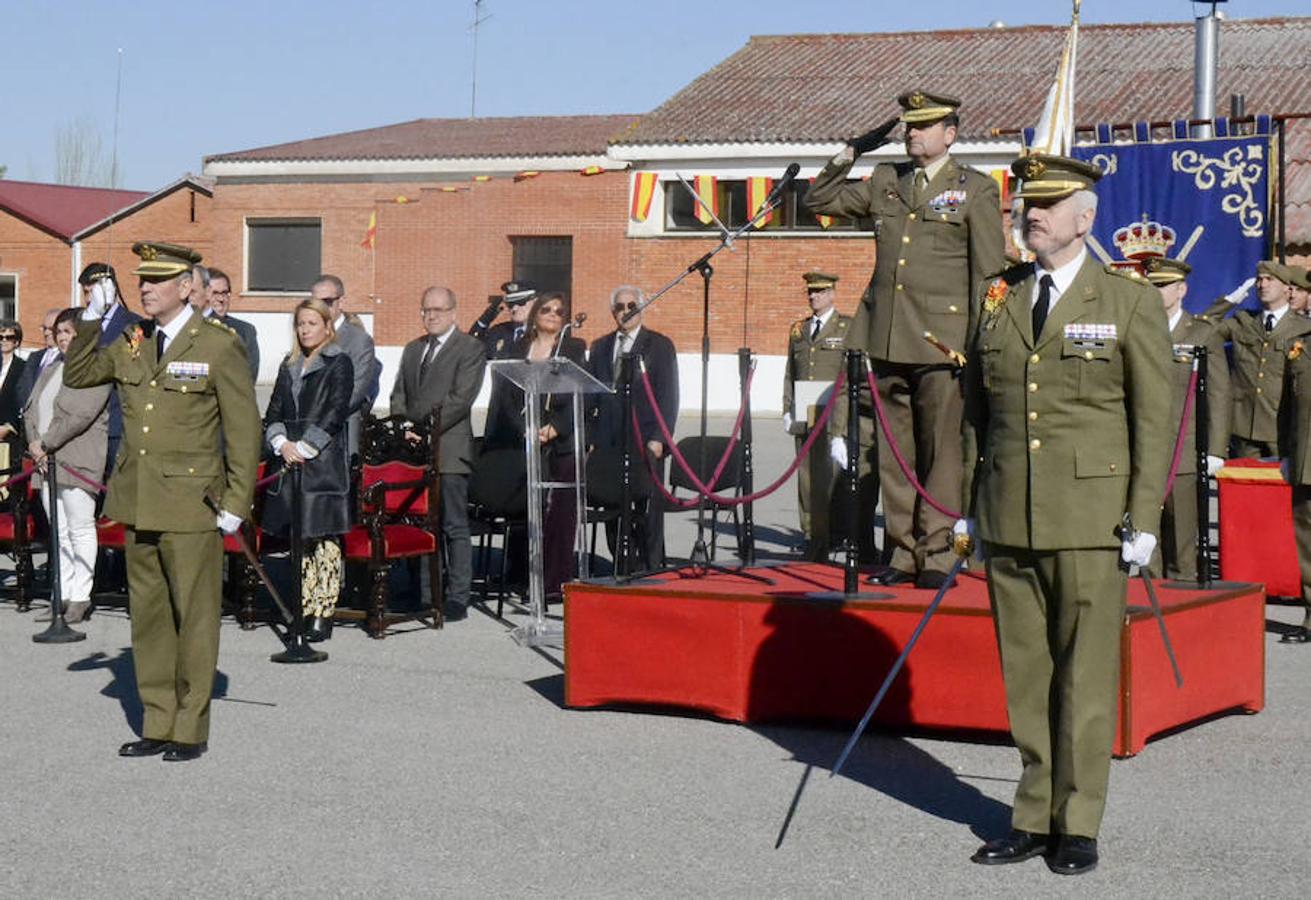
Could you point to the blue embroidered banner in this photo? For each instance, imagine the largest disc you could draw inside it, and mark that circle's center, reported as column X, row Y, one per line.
column 1206, row 200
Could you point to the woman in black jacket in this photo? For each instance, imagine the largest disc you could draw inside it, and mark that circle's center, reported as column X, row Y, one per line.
column 543, row 340
column 305, row 426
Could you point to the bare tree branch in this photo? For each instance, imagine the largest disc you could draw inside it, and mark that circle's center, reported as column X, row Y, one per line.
column 80, row 156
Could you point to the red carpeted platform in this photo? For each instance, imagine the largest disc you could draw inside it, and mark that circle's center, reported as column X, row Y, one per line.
column 1256, row 527
column 750, row 652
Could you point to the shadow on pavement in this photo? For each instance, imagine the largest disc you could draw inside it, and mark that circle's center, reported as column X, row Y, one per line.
column 122, row 685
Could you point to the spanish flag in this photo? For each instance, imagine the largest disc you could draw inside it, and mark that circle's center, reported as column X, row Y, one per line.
column 757, row 191
column 524, row 176
column 1003, row 186
column 706, row 188
column 644, row 188
column 371, row 234
column 591, row 170
column 481, row 178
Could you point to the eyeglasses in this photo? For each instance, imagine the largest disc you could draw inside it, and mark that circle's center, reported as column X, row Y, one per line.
column 221, row 293
column 10, row 337
column 551, row 311
column 434, row 310
column 625, row 307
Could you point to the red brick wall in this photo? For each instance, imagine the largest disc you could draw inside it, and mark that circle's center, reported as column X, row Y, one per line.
column 167, row 219
column 42, row 264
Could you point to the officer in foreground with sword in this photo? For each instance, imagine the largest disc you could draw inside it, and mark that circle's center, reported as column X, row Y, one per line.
column 1067, row 429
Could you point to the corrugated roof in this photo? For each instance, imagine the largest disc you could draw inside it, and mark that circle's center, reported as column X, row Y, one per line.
column 829, row 87
column 62, row 210
column 452, row 139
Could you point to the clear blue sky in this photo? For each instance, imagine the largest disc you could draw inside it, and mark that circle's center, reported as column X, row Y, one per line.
column 210, row 78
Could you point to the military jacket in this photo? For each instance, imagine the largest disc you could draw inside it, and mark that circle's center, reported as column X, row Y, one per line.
column 1189, row 332
column 929, row 256
column 813, row 360
column 1258, row 366
column 1295, row 412
column 178, row 412
column 1065, row 433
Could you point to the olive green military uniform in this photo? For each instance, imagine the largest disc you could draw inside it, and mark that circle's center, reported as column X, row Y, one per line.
column 933, row 245
column 818, row 358
column 1258, row 369
column 177, row 412
column 1295, row 445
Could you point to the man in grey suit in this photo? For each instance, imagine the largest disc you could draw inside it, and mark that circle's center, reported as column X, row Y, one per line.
column 445, row 368
column 359, row 346
column 220, row 298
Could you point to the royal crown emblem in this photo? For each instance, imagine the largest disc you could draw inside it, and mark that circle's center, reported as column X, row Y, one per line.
column 916, row 100
column 1034, row 168
column 148, row 253
column 1142, row 241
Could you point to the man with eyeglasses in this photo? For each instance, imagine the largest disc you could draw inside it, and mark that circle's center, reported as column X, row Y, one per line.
column 37, row 360
column 358, row 344
column 444, row 368
column 220, row 298
column 632, row 340
column 500, row 340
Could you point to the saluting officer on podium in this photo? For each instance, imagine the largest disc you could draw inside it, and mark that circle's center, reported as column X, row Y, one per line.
column 938, row 230
column 186, row 392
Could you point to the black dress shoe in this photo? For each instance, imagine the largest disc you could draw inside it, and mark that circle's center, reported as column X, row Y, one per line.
column 931, row 580
column 889, row 577
column 1016, row 847
column 320, row 629
column 143, row 747
column 1073, row 855
column 180, row 752
column 1299, row 635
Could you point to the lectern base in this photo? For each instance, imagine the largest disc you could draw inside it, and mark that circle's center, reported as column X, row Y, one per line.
column 539, row 634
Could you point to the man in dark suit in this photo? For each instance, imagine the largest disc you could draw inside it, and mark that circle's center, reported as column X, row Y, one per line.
column 220, row 298
column 445, row 368
column 631, row 339
column 37, row 360
column 358, row 344
column 95, row 279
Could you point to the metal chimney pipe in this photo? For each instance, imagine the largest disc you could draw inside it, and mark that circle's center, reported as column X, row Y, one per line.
column 1206, row 52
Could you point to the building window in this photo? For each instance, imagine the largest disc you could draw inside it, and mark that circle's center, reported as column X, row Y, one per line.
column 791, row 214
column 283, row 256
column 547, row 263
column 8, row 296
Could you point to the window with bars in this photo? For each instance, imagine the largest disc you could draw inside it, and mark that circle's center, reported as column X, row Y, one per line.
column 546, row 263
column 283, row 256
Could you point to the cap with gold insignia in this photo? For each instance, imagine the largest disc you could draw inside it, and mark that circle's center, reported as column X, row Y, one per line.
column 1047, row 177
column 160, row 260
column 1161, row 270
column 1277, row 271
column 921, row 107
column 96, row 271
column 819, row 281
column 517, row 292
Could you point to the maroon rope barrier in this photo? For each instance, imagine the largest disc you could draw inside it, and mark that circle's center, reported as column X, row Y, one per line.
column 17, row 479
column 91, row 482
column 669, row 438
column 896, row 451
column 1182, row 435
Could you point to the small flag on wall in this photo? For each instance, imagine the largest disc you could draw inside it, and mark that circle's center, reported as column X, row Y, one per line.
column 591, row 170
column 1003, row 186
column 706, row 189
column 371, row 233
column 644, row 188
column 524, row 176
column 481, row 178
column 757, row 191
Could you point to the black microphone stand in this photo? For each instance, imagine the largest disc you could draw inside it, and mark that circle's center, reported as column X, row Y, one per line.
column 59, row 632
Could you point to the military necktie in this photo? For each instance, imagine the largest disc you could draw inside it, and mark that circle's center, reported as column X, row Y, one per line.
column 1041, row 308
column 159, row 343
column 1269, row 322
column 921, row 185
column 814, row 329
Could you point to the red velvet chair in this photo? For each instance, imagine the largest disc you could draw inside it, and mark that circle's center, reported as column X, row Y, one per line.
column 19, row 529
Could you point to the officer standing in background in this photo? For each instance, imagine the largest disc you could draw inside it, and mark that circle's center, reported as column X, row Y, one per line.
column 1300, row 298
column 1177, row 555
column 1067, row 433
column 1261, row 339
column 816, row 350
column 938, row 230
column 1295, row 447
column 500, row 340
column 186, row 392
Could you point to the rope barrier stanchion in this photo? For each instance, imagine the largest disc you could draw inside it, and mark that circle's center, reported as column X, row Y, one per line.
column 623, row 541
column 850, row 564
column 1202, row 438
column 58, row 632
column 745, row 371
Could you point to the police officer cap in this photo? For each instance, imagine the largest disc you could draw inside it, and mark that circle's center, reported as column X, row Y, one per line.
column 1047, row 177
column 921, row 107
column 517, row 292
column 819, row 281
column 1278, row 271
column 161, row 260
column 1161, row 271
column 97, row 271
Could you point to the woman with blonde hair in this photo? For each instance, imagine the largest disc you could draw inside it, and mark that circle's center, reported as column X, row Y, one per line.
column 305, row 426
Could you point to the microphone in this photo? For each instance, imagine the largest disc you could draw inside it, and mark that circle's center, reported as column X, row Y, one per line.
column 579, row 320
column 782, row 185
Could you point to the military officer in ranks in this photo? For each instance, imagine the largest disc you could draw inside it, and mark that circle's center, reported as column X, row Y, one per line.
column 1300, row 297
column 1177, row 555
column 938, row 231
column 186, row 392
column 816, row 350
column 1261, row 340
column 1067, row 431
column 1295, row 447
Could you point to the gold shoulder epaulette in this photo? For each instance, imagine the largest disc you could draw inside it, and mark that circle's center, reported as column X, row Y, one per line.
column 1131, row 274
column 211, row 320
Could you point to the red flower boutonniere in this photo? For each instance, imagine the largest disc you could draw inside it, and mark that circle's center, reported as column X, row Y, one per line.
column 134, row 336
column 996, row 296
column 1296, row 350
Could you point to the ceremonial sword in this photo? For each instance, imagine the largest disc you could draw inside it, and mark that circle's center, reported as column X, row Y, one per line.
column 1129, row 533
column 964, row 546
column 253, row 558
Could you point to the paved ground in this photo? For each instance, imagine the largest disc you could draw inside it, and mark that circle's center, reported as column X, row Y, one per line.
column 443, row 764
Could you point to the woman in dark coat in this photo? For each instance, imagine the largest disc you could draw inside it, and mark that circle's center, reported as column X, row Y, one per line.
column 305, row 426
column 544, row 339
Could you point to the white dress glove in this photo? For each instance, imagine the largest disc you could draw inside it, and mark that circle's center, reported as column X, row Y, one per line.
column 1239, row 294
column 1138, row 552
column 837, row 451
column 1213, row 464
column 227, row 522
column 787, row 422
column 99, row 300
